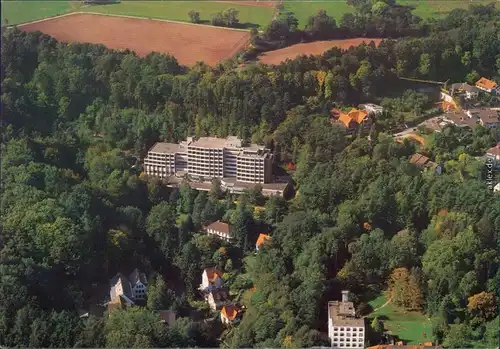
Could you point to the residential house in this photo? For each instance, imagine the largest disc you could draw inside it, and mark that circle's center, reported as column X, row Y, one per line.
column 493, row 156
column 372, row 108
column 423, row 162
column 487, row 117
column 128, row 290
column 216, row 299
column 261, row 240
column 356, row 120
column 220, row 229
column 470, row 92
column 139, row 285
column 211, row 279
column 167, row 317
column 230, row 314
column 487, row 85
column 461, row 119
column 345, row 330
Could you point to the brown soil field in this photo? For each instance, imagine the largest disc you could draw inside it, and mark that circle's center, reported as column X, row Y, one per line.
column 261, row 3
column 187, row 42
column 310, row 48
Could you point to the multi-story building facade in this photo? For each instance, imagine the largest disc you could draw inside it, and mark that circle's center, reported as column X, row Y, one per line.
column 345, row 330
column 210, row 157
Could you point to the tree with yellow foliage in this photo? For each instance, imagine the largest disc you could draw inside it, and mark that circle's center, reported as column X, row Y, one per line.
column 405, row 290
column 482, row 305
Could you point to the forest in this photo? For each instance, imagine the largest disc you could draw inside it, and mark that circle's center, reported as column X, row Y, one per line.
column 76, row 209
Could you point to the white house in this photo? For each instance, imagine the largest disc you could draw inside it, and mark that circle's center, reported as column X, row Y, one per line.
column 138, row 284
column 126, row 291
column 219, row 229
column 345, row 330
column 230, row 314
column 211, row 279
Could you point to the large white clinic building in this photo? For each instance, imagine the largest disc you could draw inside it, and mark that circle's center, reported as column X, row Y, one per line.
column 344, row 328
column 211, row 157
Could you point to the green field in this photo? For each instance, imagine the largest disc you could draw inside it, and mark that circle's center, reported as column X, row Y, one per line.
column 250, row 16
column 433, row 9
column 304, row 9
column 411, row 327
column 26, row 11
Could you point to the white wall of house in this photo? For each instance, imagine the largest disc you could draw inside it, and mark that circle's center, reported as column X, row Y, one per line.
column 139, row 290
column 205, row 283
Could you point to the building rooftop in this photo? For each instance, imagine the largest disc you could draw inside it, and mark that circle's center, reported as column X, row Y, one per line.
column 262, row 238
column 162, row 148
column 230, row 311
column 220, row 226
column 418, row 159
column 461, row 119
column 486, row 83
column 212, row 274
column 343, row 314
column 136, row 276
column 167, row 316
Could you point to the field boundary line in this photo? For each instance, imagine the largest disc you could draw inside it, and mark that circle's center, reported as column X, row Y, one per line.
column 42, row 20
column 131, row 17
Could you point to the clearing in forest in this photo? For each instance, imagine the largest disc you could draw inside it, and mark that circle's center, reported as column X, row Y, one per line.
column 410, row 326
column 188, row 43
column 311, row 48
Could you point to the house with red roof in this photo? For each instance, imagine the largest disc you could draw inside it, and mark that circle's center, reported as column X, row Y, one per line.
column 230, row 314
column 261, row 240
column 487, row 85
column 211, row 279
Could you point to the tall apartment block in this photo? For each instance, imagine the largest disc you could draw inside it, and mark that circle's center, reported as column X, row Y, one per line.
column 344, row 328
column 210, row 157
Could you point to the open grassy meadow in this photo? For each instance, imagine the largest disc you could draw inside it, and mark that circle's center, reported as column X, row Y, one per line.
column 16, row 12
column 250, row 16
column 437, row 8
column 304, row 9
column 411, row 327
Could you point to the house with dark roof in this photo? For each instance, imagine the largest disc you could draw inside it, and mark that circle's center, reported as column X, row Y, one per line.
column 167, row 317
column 220, row 229
column 424, row 163
column 470, row 92
column 217, row 298
column 127, row 290
column 230, row 314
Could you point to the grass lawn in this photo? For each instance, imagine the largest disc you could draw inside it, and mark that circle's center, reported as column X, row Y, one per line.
column 411, row 327
column 17, row 12
column 250, row 16
column 304, row 9
column 437, row 8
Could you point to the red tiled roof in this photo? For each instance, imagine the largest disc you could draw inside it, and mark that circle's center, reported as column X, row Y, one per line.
column 262, row 238
column 213, row 274
column 354, row 115
column 230, row 311
column 486, row 83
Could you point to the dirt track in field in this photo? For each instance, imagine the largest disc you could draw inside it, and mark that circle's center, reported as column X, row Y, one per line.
column 262, row 3
column 310, row 48
column 187, row 42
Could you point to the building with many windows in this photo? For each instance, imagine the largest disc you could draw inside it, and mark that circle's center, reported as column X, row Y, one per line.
column 211, row 157
column 345, row 330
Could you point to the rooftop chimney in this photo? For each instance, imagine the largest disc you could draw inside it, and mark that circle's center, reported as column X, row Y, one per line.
column 345, row 296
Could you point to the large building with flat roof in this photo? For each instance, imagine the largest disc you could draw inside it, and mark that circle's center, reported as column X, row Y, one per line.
column 344, row 328
column 211, row 157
